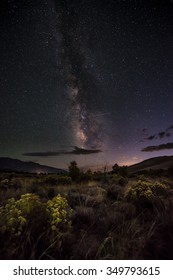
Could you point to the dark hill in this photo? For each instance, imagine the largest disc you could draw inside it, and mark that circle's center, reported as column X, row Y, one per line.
column 163, row 162
column 9, row 164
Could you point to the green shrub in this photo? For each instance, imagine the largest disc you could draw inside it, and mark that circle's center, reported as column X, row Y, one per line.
column 74, row 171
column 5, row 182
column 55, row 180
column 28, row 203
column 64, row 180
column 15, row 215
column 30, row 212
column 143, row 193
column 59, row 214
column 48, row 180
column 11, row 219
column 30, row 228
column 160, row 189
column 122, row 181
column 118, row 180
column 141, row 177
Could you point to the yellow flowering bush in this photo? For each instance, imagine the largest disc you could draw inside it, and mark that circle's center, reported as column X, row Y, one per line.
column 28, row 203
column 143, row 192
column 32, row 220
column 28, row 223
column 160, row 189
column 11, row 219
column 59, row 214
column 15, row 214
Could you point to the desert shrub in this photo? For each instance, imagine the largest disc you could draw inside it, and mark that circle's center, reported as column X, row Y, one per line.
column 10, row 183
column 75, row 198
column 121, row 170
column 160, row 189
column 64, row 180
column 28, row 226
column 86, row 176
column 122, row 181
column 119, row 180
column 94, row 195
column 141, row 177
column 74, row 171
column 15, row 215
column 167, row 182
column 59, row 214
column 5, row 182
column 28, row 203
column 11, row 219
column 98, row 176
column 48, row 180
column 17, row 182
column 55, row 180
column 144, row 193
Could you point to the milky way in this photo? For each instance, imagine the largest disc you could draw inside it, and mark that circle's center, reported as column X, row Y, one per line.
column 80, row 83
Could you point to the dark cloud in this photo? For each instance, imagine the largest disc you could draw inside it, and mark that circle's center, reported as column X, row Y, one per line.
column 160, row 135
column 45, row 154
column 151, row 137
column 169, row 128
column 80, row 151
column 142, row 130
column 168, row 134
column 75, row 151
column 158, row 147
column 143, row 134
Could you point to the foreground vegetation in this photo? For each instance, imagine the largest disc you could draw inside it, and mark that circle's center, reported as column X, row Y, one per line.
column 86, row 215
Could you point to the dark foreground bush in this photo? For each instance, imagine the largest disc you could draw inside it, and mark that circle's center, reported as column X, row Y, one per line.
column 144, row 194
column 30, row 228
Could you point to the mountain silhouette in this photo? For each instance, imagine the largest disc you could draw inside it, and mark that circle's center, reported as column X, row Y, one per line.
column 9, row 164
column 163, row 162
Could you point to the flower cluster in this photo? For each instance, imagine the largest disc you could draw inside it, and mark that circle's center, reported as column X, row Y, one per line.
column 144, row 191
column 12, row 219
column 28, row 203
column 59, row 214
column 31, row 212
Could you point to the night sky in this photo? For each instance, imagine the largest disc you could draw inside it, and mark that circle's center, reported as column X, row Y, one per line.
column 90, row 81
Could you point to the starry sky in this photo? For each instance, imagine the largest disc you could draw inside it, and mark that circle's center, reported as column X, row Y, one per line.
column 90, row 81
